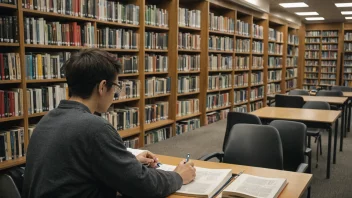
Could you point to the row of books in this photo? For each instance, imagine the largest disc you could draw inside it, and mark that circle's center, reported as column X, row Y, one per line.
column 156, row 16
column 155, row 86
column 214, row 101
column 334, row 47
column 257, row 31
column 187, row 125
column 312, row 54
column 8, row 29
column 328, row 69
column 10, row 66
column 188, row 62
column 12, row 144
column 330, row 33
column 312, row 47
column 11, row 104
column 293, row 39
column 274, row 61
column 188, row 84
column 242, row 62
column 240, row 96
column 242, row 109
column 129, row 63
column 130, row 88
column 131, row 142
column 347, row 47
column 241, row 80
column 347, row 57
column 39, row 31
column 221, row 23
column 274, row 75
column 257, row 62
column 313, row 33
column 45, row 65
column 292, row 51
column 157, row 135
column 348, row 36
column 46, row 98
column 189, row 18
column 156, row 63
column 310, row 69
column 346, row 76
column 117, row 38
column 187, row 107
column 311, row 75
column 220, row 62
column 329, row 40
column 215, row 116
column 98, row 9
column 310, row 81
column 256, row 105
column 312, row 40
column 242, row 28
column 332, row 76
column 348, row 83
column 257, row 47
column 256, row 93
column 290, row 73
column 221, row 43
column 188, row 41
column 13, row 2
column 291, row 61
column 311, row 63
column 220, row 81
column 328, row 63
column 156, row 112
column 155, row 40
column 273, row 88
column 347, row 63
column 329, row 54
column 257, row 78
column 290, row 84
column 122, row 119
column 328, row 82
column 275, row 35
column 243, row 45
column 348, row 69
column 275, row 48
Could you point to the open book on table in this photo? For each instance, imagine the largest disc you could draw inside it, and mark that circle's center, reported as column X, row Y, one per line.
column 207, row 183
column 250, row 186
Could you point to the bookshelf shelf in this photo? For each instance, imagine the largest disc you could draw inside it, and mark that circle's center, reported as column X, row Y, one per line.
column 257, row 38
column 188, row 72
column 189, row 50
column 221, row 70
column 275, row 55
column 274, row 67
column 156, row 73
column 244, row 53
column 291, row 78
column 257, row 54
column 11, row 119
column 10, row 6
column 152, row 27
column 256, row 85
column 188, row 28
column 9, row 44
column 242, row 36
column 257, row 69
column 274, row 81
column 37, row 114
column 157, row 96
column 188, row 116
column 129, row 132
column 124, row 100
column 158, row 124
column 240, row 103
column 220, row 33
column 128, row 75
column 257, row 99
column 47, row 80
column 187, row 94
column 119, row 50
column 244, row 70
column 218, row 90
column 10, row 81
column 219, row 108
column 55, row 47
column 156, row 50
column 12, row 163
column 240, row 87
column 221, row 52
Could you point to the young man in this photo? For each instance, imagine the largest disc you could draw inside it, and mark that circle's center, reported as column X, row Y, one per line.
column 74, row 153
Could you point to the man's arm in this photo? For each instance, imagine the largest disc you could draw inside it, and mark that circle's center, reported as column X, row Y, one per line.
column 120, row 169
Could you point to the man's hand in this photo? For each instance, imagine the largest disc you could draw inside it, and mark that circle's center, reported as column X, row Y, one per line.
column 148, row 158
column 186, row 171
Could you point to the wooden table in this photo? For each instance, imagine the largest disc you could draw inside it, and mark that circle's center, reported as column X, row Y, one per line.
column 297, row 182
column 349, row 95
column 311, row 117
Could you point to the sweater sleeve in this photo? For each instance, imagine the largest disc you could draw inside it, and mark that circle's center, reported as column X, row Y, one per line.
column 121, row 171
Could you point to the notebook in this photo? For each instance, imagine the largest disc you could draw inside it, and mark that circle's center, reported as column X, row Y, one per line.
column 249, row 186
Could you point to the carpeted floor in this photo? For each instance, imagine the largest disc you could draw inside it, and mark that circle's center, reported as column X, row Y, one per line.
column 210, row 138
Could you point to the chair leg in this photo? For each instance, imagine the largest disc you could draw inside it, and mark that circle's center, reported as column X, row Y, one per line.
column 308, row 194
column 321, row 150
column 317, row 154
column 309, row 140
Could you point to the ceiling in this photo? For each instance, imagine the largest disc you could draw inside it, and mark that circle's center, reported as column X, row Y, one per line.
column 325, row 8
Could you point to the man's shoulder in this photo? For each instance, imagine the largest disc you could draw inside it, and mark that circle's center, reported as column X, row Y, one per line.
column 92, row 120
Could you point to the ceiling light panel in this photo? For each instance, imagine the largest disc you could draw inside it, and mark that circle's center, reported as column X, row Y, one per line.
column 346, row 12
column 343, row 5
column 315, row 18
column 348, row 17
column 306, row 13
column 294, row 5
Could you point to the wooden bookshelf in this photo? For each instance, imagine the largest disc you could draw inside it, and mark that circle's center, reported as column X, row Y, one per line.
column 129, row 132
column 346, row 70
column 10, row 81
column 6, row 119
column 12, row 163
column 9, row 45
column 47, row 80
column 8, row 6
column 188, row 116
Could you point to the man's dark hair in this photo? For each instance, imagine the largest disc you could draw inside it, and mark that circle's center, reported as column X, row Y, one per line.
column 85, row 69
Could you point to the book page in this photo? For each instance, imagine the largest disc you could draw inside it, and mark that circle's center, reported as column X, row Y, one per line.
column 207, row 181
column 256, row 186
column 135, row 152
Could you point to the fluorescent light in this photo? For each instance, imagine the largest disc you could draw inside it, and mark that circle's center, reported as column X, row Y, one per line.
column 306, row 13
column 341, row 5
column 348, row 17
column 314, row 18
column 346, row 12
column 293, row 5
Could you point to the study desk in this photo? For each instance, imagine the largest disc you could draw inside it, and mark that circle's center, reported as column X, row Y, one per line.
column 297, row 182
column 311, row 117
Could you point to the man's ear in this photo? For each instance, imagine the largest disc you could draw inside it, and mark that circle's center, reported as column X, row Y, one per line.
column 102, row 87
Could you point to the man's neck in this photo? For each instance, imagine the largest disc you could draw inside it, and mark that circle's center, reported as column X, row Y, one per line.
column 90, row 102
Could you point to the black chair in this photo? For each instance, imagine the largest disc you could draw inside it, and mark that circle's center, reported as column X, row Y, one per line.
column 330, row 93
column 8, row 187
column 316, row 132
column 298, row 92
column 341, row 88
column 237, row 118
column 289, row 101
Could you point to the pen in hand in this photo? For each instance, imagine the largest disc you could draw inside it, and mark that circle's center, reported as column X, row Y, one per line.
column 187, row 158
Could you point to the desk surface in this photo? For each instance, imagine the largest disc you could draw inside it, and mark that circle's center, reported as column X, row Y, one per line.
column 331, row 100
column 324, row 116
column 297, row 182
column 347, row 94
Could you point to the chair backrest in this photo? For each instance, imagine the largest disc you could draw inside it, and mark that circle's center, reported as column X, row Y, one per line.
column 8, row 187
column 329, row 93
column 237, row 118
column 254, row 145
column 293, row 138
column 341, row 88
column 288, row 101
column 316, row 105
column 298, row 92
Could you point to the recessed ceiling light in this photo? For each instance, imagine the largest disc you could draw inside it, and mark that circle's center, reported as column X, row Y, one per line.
column 341, row 5
column 306, row 13
column 346, row 12
column 293, row 5
column 314, row 18
column 348, row 17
